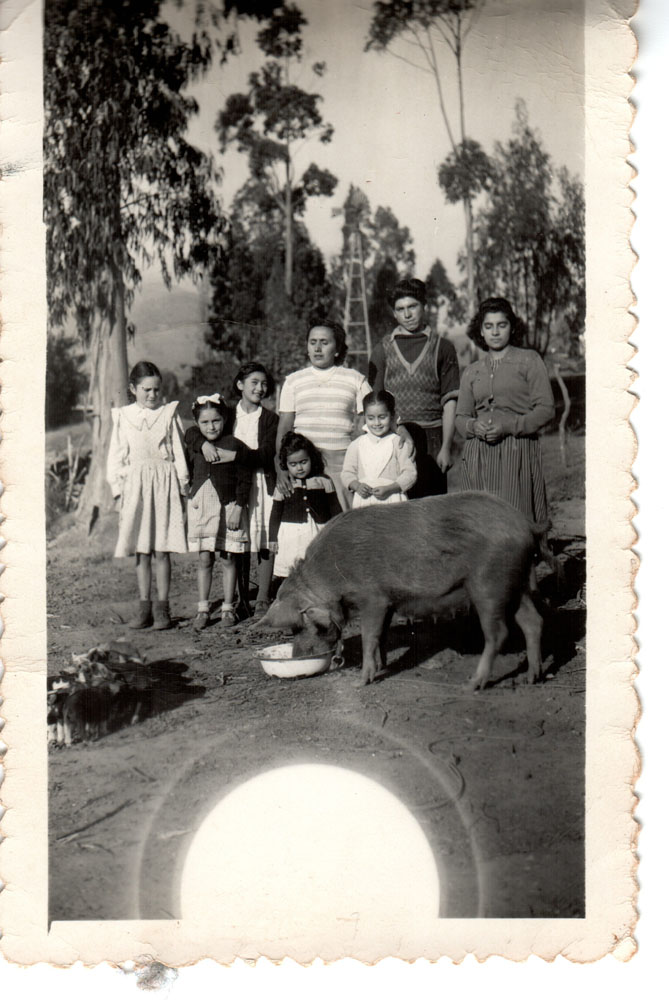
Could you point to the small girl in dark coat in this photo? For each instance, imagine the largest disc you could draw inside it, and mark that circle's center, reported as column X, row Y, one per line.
column 256, row 426
column 298, row 518
column 217, row 504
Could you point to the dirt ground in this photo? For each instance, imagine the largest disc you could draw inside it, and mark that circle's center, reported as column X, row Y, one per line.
column 495, row 779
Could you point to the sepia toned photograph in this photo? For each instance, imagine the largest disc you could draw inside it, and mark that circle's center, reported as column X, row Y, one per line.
column 318, row 301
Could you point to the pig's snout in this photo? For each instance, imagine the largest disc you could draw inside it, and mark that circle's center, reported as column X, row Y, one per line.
column 307, row 643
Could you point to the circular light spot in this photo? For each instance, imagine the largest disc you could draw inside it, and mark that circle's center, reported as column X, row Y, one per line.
column 310, row 851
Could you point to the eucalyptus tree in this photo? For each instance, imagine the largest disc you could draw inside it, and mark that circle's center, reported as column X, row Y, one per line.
column 530, row 238
column 432, row 29
column 122, row 184
column 273, row 119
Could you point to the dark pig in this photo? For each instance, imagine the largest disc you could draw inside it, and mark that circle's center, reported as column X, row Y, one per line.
column 415, row 558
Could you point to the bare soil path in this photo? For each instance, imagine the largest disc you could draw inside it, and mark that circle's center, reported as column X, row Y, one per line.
column 495, row 779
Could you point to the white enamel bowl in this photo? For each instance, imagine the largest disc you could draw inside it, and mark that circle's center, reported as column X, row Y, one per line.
column 278, row 661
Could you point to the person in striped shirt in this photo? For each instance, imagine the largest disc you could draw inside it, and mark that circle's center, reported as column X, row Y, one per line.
column 323, row 402
column 505, row 399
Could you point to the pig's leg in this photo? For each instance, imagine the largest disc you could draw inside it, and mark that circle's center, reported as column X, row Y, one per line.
column 372, row 622
column 531, row 623
column 491, row 616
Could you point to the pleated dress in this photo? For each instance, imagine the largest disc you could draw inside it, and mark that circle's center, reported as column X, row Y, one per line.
column 147, row 468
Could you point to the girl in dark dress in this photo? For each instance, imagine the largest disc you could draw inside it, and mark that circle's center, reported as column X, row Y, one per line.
column 298, row 518
column 256, row 426
column 217, row 503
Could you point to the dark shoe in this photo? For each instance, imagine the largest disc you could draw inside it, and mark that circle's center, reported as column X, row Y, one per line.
column 161, row 616
column 143, row 618
column 201, row 620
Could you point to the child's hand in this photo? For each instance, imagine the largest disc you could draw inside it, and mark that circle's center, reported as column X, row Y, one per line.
column 209, row 452
column 362, row 489
column 225, row 455
column 273, row 547
column 383, row 492
column 234, row 517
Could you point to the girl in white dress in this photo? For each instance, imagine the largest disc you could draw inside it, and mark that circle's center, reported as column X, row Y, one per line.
column 148, row 475
column 256, row 426
column 378, row 468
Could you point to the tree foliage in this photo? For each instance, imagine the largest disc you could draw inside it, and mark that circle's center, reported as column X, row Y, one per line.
column 268, row 120
column 122, row 185
column 121, row 182
column 530, row 238
column 465, row 172
column 65, row 380
column 250, row 314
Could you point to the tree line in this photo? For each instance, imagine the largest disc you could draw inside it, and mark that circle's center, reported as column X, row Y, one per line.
column 125, row 187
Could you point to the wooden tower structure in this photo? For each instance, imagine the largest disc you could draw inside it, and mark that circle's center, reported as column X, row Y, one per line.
column 356, row 319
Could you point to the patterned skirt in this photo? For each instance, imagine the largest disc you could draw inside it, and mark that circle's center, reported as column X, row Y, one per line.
column 510, row 469
column 207, row 524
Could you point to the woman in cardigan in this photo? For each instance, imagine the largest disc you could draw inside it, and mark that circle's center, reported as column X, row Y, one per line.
column 504, row 400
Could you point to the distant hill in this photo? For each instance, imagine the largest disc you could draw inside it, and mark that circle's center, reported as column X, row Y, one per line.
column 169, row 327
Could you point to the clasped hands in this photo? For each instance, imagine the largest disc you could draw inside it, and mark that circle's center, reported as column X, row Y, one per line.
column 380, row 492
column 490, row 430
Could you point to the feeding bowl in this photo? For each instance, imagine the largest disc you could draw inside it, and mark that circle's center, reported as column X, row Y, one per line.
column 278, row 661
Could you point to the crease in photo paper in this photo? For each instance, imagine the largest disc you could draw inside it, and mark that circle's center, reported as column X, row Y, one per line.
column 197, row 767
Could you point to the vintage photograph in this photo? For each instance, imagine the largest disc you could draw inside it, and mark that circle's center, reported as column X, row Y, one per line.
column 315, row 461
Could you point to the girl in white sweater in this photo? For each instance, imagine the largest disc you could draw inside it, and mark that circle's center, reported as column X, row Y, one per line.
column 378, row 467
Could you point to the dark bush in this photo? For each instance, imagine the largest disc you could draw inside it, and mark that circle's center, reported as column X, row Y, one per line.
column 65, row 380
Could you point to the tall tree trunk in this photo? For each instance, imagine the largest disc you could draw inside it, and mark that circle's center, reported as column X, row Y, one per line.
column 288, row 282
column 108, row 387
column 469, row 238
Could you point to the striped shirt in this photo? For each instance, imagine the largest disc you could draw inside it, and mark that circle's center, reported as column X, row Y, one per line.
column 325, row 404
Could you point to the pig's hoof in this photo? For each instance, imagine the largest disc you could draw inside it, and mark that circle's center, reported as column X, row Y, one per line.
column 362, row 681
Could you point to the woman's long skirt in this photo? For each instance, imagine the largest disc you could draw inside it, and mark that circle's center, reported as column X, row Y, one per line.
column 510, row 469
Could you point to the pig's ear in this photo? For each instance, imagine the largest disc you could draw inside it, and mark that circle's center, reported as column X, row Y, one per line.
column 280, row 615
column 322, row 618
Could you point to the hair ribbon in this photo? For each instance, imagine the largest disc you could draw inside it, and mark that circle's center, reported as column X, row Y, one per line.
column 214, row 398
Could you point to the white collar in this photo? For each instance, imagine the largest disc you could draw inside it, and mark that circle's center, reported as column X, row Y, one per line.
column 243, row 415
column 374, row 439
column 138, row 415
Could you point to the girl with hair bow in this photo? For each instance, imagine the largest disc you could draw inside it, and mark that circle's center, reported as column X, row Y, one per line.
column 218, row 502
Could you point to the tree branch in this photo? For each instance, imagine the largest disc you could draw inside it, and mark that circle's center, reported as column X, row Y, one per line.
column 451, row 43
column 444, row 113
column 396, row 55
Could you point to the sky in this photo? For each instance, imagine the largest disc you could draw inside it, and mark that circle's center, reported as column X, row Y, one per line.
column 389, row 137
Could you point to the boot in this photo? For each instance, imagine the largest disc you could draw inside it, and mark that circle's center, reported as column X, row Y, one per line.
column 143, row 618
column 161, row 615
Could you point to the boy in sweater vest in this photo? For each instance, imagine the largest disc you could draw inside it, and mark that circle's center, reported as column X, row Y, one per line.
column 420, row 369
